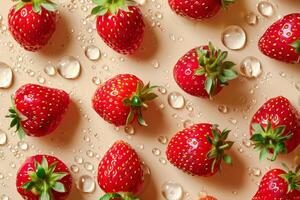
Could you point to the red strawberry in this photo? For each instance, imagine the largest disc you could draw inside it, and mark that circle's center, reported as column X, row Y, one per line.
column 120, row 173
column 278, row 184
column 44, row 177
column 37, row 110
column 121, row 99
column 275, row 128
column 32, row 23
column 208, row 198
column 203, row 71
column 281, row 41
column 198, row 9
column 199, row 149
column 120, row 24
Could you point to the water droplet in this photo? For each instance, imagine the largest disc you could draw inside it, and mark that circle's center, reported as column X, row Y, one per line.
column 159, row 15
column 162, row 139
column 156, row 151
column 162, row 161
column 74, row 168
column 189, row 106
column 78, row 160
column 96, row 80
column 86, row 184
column 233, row 121
column 12, row 165
column 251, row 67
column 172, row 191
column 251, row 18
column 69, row 67
column 3, row 138
column 141, row 2
column 90, row 153
column 146, row 169
column 256, row 172
column 88, row 166
column 223, row 109
column 187, row 123
column 247, row 143
column 234, row 37
column 23, row 145
column 155, row 64
column 1, row 176
column 50, row 70
column 4, row 197
column 129, row 130
column 265, row 8
column 41, row 79
column 176, row 100
column 6, row 75
column 282, row 74
column 162, row 90
column 297, row 85
column 92, row 52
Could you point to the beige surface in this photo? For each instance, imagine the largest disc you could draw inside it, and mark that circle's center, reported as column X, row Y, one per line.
column 67, row 142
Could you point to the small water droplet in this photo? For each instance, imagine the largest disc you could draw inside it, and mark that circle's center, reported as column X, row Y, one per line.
column 256, row 172
column 69, row 67
column 88, row 166
column 156, row 151
column 23, row 145
column 129, row 130
column 297, row 85
column 223, row 109
column 234, row 37
column 4, row 197
column 78, row 160
column 74, row 168
column 50, row 70
column 41, row 79
column 189, row 106
column 155, row 64
column 159, row 15
column 92, row 52
column 247, row 143
column 176, row 100
column 187, row 123
column 265, row 8
column 251, row 67
column 90, row 153
column 146, row 169
column 251, row 18
column 141, row 2
column 172, row 191
column 1, row 176
column 162, row 90
column 282, row 74
column 6, row 75
column 96, row 80
column 3, row 138
column 233, row 121
column 162, row 139
column 162, row 161
column 86, row 184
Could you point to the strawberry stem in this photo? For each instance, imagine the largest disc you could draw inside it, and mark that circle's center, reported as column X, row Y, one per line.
column 292, row 178
column 226, row 3
column 120, row 196
column 111, row 6
column 37, row 5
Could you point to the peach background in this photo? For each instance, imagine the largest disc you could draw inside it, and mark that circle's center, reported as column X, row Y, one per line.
column 243, row 96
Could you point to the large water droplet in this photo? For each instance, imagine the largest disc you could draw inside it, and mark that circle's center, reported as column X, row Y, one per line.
column 176, row 100
column 86, row 184
column 69, row 67
column 265, row 8
column 234, row 37
column 251, row 67
column 3, row 138
column 6, row 75
column 93, row 53
column 172, row 191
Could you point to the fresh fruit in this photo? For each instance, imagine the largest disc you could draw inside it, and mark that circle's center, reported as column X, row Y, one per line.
column 281, row 41
column 32, row 23
column 199, row 149
column 199, row 9
column 44, row 177
column 120, row 173
column 203, row 71
column 120, row 24
column 121, row 100
column 37, row 110
column 275, row 128
column 208, row 198
column 278, row 184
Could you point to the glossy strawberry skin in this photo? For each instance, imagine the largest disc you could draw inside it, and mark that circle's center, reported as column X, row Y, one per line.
column 123, row 32
column 31, row 30
column 188, row 150
column 196, row 9
column 273, row 187
column 108, row 98
column 279, row 111
column 42, row 107
column 28, row 165
column 184, row 75
column 120, row 170
column 276, row 41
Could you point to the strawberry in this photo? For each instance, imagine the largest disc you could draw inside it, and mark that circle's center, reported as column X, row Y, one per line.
column 208, row 198
column 198, row 9
column 278, row 184
column 32, row 23
column 44, row 177
column 120, row 173
column 203, row 71
column 120, row 24
column 37, row 110
column 281, row 41
column 121, row 99
column 275, row 128
column 199, row 149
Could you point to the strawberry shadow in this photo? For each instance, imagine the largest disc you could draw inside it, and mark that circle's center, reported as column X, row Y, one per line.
column 150, row 191
column 231, row 177
column 60, row 40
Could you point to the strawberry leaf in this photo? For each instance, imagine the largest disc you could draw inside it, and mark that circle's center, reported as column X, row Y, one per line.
column 59, row 187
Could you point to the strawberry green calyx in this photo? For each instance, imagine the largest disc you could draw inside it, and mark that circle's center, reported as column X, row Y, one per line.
column 269, row 139
column 121, row 196
column 16, row 119
column 111, row 6
column 44, row 180
column 219, row 146
column 37, row 5
column 296, row 45
column 226, row 3
column 292, row 178
column 138, row 101
column 213, row 65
